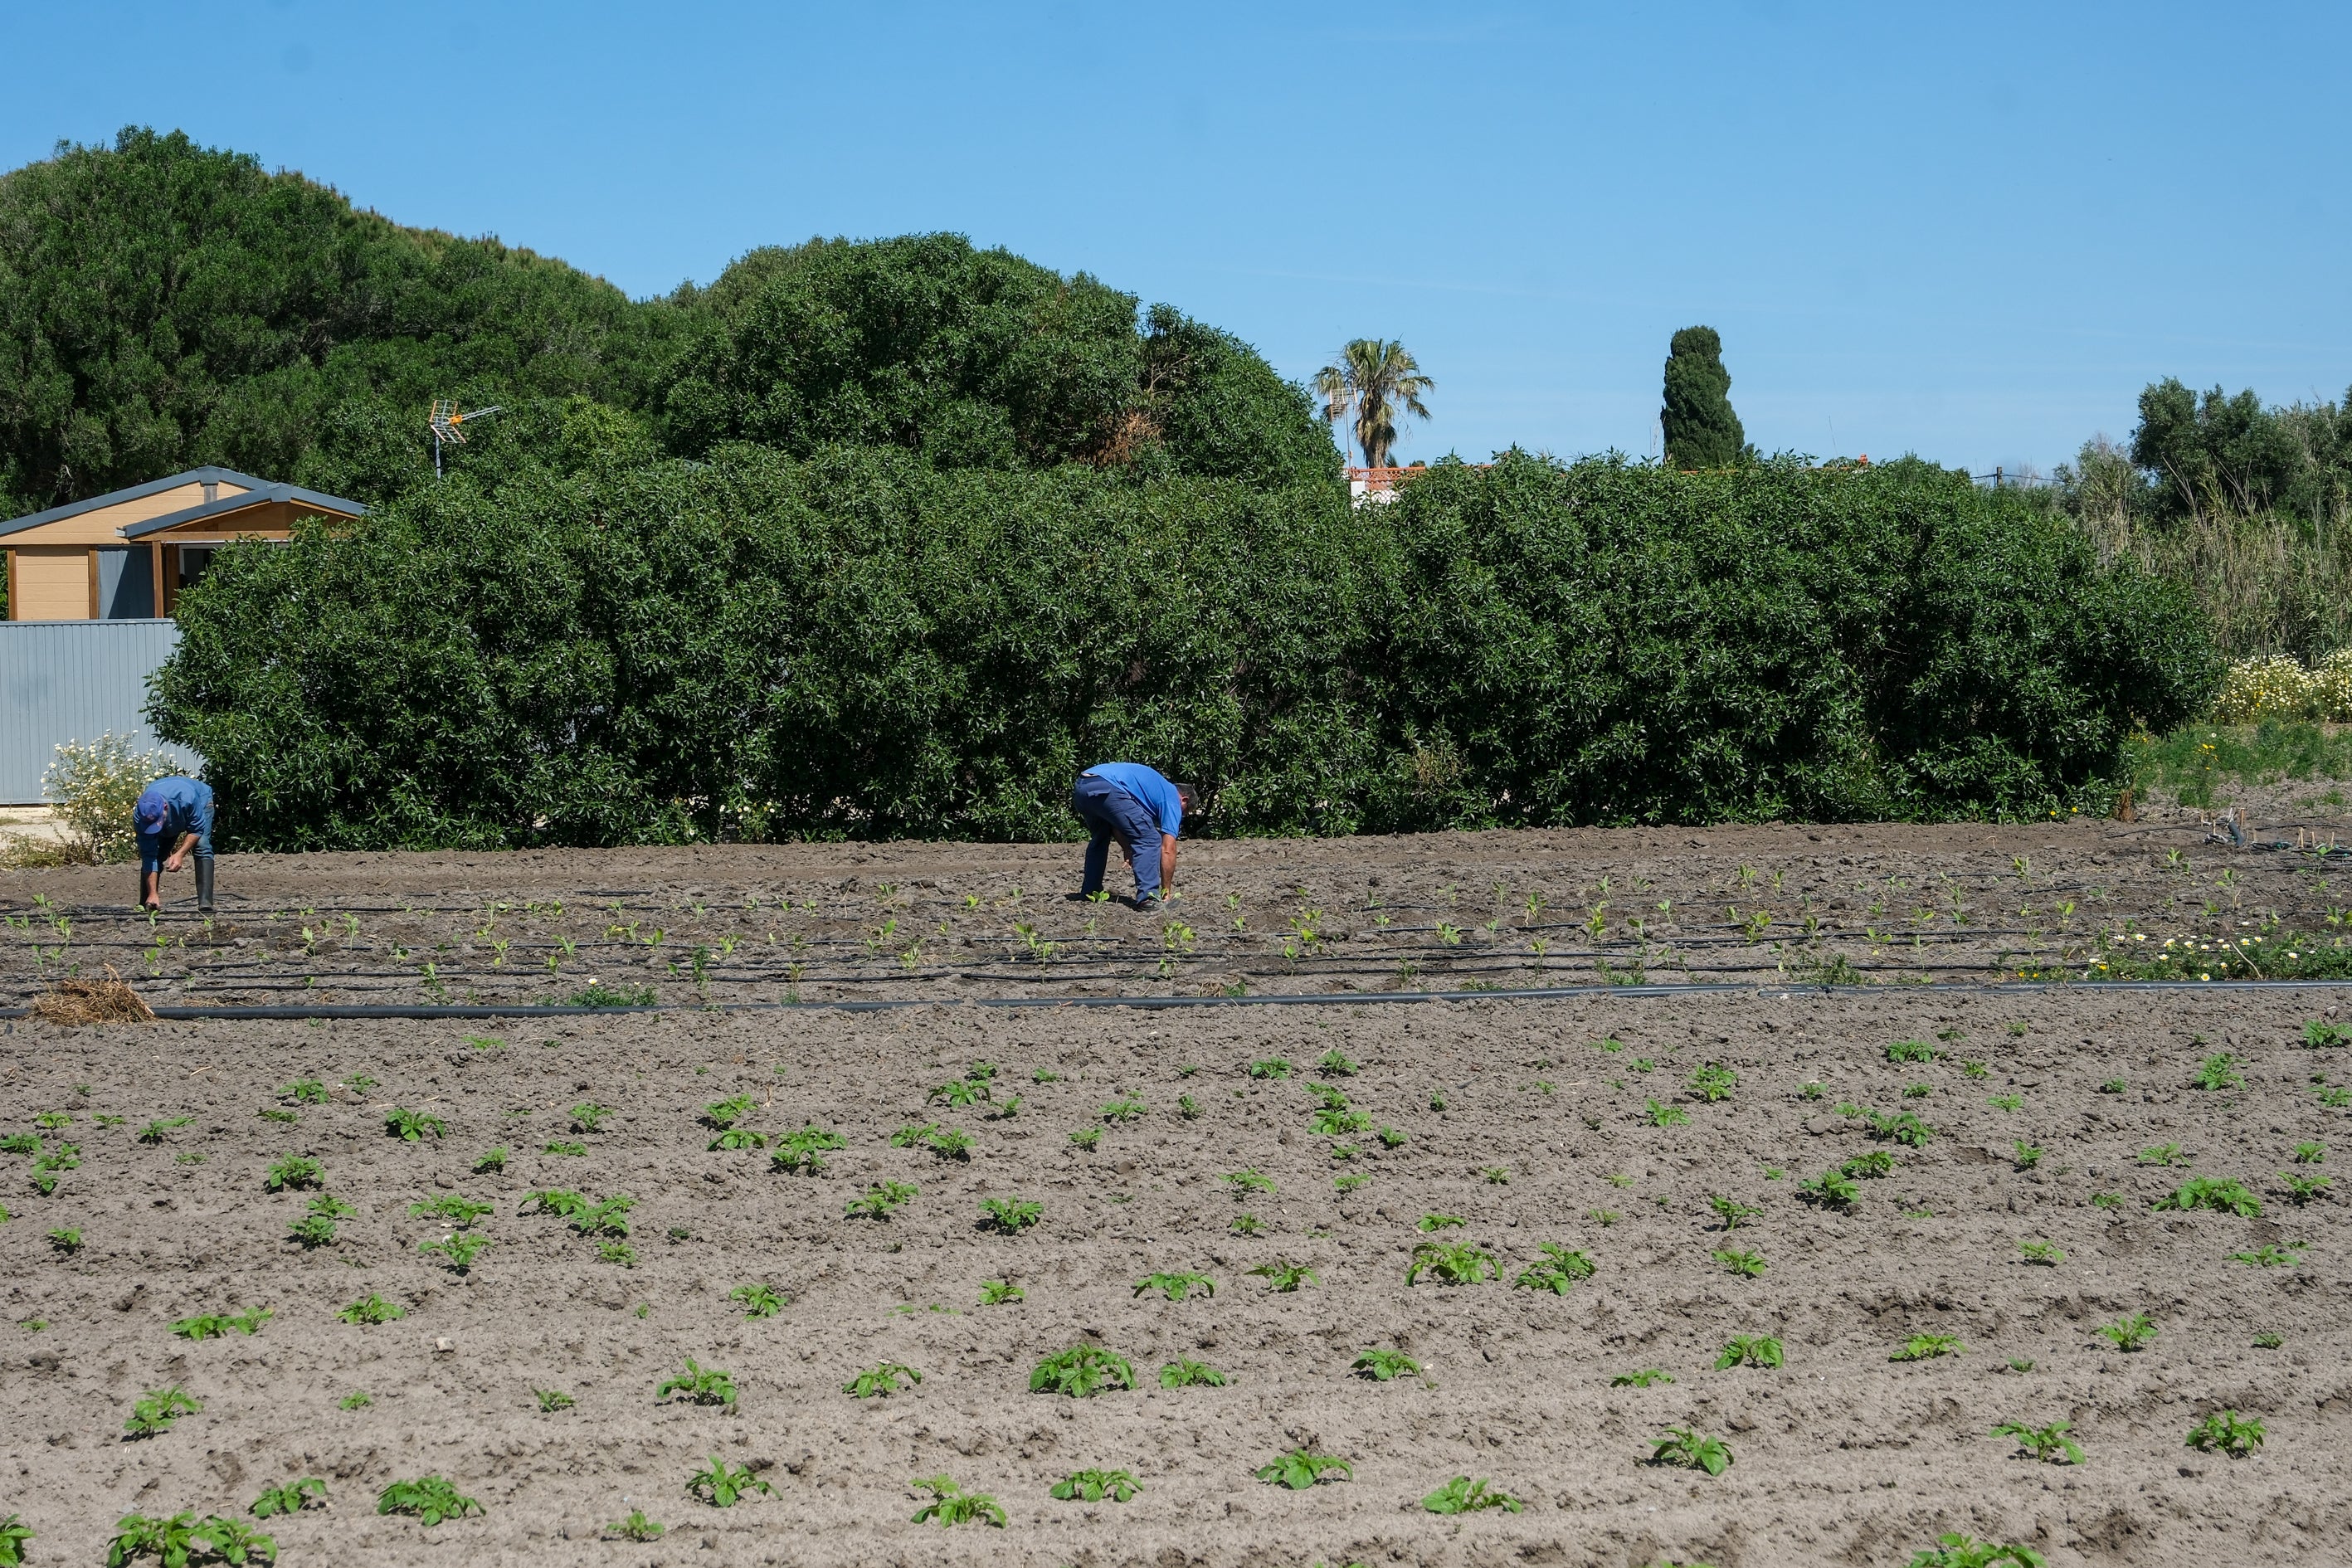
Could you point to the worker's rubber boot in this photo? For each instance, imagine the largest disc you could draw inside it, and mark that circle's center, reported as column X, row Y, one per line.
column 204, row 884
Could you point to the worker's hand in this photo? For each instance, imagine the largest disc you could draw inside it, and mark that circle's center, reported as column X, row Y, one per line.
column 174, row 863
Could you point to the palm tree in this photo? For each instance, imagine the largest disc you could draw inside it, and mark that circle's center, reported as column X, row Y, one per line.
column 1370, row 376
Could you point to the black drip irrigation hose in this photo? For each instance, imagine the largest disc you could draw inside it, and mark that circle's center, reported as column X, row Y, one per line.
column 1156, row 1004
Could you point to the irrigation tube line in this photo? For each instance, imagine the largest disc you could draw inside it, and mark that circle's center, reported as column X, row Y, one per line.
column 1331, row 999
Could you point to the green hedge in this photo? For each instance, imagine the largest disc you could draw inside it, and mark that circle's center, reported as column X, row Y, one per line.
column 855, row 644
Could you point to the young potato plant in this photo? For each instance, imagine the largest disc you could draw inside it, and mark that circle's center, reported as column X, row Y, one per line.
column 880, row 1199
column 1334, row 1063
column 48, row 1163
column 951, row 1143
column 66, row 1240
column 411, row 1126
column 2219, row 1071
column 14, row 1533
column 460, row 1212
column 1452, row 1263
column 1299, row 1469
column 1245, row 1183
column 1926, row 1347
column 2050, row 1444
column 1751, row 1350
column 699, row 1384
column 721, row 1115
column 552, row 1401
column 636, row 1528
column 2301, row 1189
column 158, row 1410
column 1732, row 1212
column 175, row 1541
column 216, row 1325
column 952, row 1505
column 880, row 1381
column 1096, row 1486
column 2272, row 1257
column 303, row 1092
column 155, row 1130
column 1911, row 1051
column 759, row 1300
column 1713, row 1082
column 1462, row 1495
column 1176, row 1287
column 1683, row 1445
column 2223, row 1195
column 1968, row 1551
column 722, row 1487
column 2231, row 1433
column 289, row 1498
column 2047, row 1253
column 492, row 1163
column 1089, row 1139
column 429, row 1499
column 1903, row 1127
column 1272, row 1067
column 1647, row 1377
column 1010, row 1215
column 2130, row 1333
column 1082, row 1372
column 803, row 1150
column 1747, row 1264
column 958, row 1093
column 734, row 1140
column 589, row 1116
column 1382, row 1365
column 2163, row 1154
column 1436, row 1222
column 457, row 1251
column 1283, row 1277
column 372, row 1310
column 1666, row 1115
column 1185, row 1373
column 1560, row 1268
column 998, row 1292
column 1830, row 1187
column 1126, row 1107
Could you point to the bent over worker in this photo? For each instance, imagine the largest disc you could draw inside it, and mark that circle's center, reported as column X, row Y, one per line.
column 175, row 812
column 1144, row 811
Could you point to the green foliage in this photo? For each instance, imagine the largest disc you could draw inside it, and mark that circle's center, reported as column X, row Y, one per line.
column 997, row 1292
column 1647, row 1377
column 722, row 1115
column 1082, row 1372
column 457, row 1251
column 1382, row 1365
column 1926, row 1347
column 357, row 1399
column 1701, row 430
column 1462, row 1495
column 1270, row 1066
column 1666, row 1115
column 1299, row 1469
column 1011, row 1216
column 1747, row 1264
column 2223, row 1194
column 492, row 1162
column 2043, row 1252
column 14, row 1533
column 216, row 1325
column 1732, row 1212
column 1751, row 1350
column 699, row 1384
column 1713, row 1082
column 1335, row 1063
column 758, row 1301
column 552, row 1401
column 952, row 1505
column 1246, row 1181
column 1089, row 1139
column 1903, row 1127
column 1185, row 1373
column 1833, row 1187
column 1283, row 1277
column 409, row 1126
column 2049, row 1444
column 722, row 1487
column 1176, row 1287
column 372, row 1310
column 880, row 1199
column 880, row 1381
column 460, row 1212
column 1452, row 1263
column 2302, row 1189
column 292, row 1497
column 1683, row 1445
column 1911, row 1051
column 66, row 1239
column 153, row 1132
column 803, row 1150
column 158, row 1410
column 636, row 1528
column 2234, row 1435
column 2218, row 1071
column 1560, row 1268
column 2131, row 1333
column 1096, row 1486
column 1967, row 1552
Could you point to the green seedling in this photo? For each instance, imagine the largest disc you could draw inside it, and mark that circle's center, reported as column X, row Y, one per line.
column 157, row 1409
column 560, row 1201
column 491, row 1163
column 1830, row 1188
column 2319, row 1035
column 1349, row 1183
column 409, row 1126
column 2234, row 1435
column 1334, row 1063
column 552, row 1401
column 1250, row 1225
column 957, row 1093
column 1127, row 1108
column 67, row 1241
column 1646, row 1378
column 2130, row 1333
column 1272, row 1067
column 1604, row 1219
column 758, row 1301
column 46, row 1165
column 1750, row 1350
column 913, row 1134
column 2302, row 1189
column 566, row 1147
column 1927, row 1347
column 1560, row 1268
column 1184, row 1373
column 734, row 1140
column 1082, row 1372
column 1666, row 1115
column 619, row 1252
column 304, row 1091
column 1683, row 1445
column 291, row 1498
column 1433, row 1222
column 1977, row 1071
column 1391, row 1139
column 1176, row 1287
column 2043, row 1252
column 1499, row 1176
column 20, row 1144
column 605, row 1216
column 1299, row 1469
column 1044, row 1075
column 1869, row 1165
column 722, row 1487
column 155, row 1131
column 1437, row 1101
column 2268, row 1340
column 2049, row 1445
column 1385, row 1365
column 1903, row 1128
column 1911, row 1051
column 372, row 1310
column 1089, row 1139
column 172, row 1541
column 2114, row 1086
column 1452, row 1263
column 636, row 1528
column 457, row 1251
column 2223, row 1194
column 951, row 1143
column 880, row 1199
column 460, row 1212
column 2006, row 1101
column 216, row 1325
column 1462, row 1495
column 2271, row 1256
column 1746, row 1264
column 1096, row 1486
column 2028, row 1154
column 803, row 1150
column 1731, row 1212
column 998, row 1292
column 1329, row 1123
column 356, row 1400
column 1187, row 1106
column 2163, row 1154
column 2218, row 1071
column 1283, row 1277
column 1247, row 1182
column 53, row 1120
column 725, row 1113
column 881, row 1379
column 589, row 1116
column 1713, row 1082
column 2310, row 1153
column 1967, row 1552
column 2335, row 1098
column 699, row 1384
column 952, row 1505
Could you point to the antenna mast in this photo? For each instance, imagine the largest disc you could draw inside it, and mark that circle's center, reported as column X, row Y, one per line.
column 448, row 426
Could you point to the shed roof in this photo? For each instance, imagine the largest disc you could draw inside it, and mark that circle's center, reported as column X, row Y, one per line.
column 254, row 488
column 263, row 494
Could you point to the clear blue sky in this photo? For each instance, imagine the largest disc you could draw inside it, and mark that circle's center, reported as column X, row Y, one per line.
column 1975, row 232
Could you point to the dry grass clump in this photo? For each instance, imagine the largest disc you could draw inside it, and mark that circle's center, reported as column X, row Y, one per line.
column 74, row 1003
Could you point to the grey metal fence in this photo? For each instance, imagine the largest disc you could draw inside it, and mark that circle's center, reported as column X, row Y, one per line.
column 75, row 680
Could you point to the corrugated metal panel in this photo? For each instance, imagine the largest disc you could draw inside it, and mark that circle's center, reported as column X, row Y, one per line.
column 75, row 680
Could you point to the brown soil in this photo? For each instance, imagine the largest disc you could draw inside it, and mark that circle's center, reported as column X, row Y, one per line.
column 1842, row 1456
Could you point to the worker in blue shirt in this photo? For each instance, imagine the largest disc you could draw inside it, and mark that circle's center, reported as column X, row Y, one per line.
column 174, row 813
column 1144, row 811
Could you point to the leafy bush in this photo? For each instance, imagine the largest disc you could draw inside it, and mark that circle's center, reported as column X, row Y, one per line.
column 93, row 787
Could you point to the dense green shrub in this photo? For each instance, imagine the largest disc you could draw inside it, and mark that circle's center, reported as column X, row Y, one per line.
column 1701, row 430
column 859, row 644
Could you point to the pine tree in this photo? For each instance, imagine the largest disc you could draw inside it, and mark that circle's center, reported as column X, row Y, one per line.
column 1702, row 432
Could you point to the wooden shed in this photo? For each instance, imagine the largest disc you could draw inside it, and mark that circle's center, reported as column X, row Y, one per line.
column 107, row 558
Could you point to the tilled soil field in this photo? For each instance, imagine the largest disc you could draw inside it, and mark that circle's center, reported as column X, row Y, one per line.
column 1727, row 1167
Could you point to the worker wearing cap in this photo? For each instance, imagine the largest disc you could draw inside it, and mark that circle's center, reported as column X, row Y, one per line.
column 1144, row 811
column 177, row 812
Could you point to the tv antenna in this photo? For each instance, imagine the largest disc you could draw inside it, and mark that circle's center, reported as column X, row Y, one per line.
column 448, row 424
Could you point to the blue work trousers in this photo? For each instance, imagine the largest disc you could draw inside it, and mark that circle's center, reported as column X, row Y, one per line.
column 1113, row 813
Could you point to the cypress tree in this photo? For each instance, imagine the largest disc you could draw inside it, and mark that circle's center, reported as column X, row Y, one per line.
column 1702, row 432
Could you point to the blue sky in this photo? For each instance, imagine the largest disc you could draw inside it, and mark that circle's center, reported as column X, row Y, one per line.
column 1974, row 232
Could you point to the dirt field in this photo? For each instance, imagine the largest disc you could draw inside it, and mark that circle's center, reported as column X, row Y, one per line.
column 1840, row 1456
